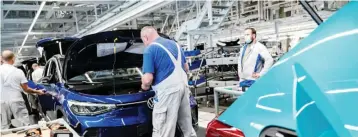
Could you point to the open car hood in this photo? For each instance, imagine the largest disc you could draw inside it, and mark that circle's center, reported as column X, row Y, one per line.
column 50, row 46
column 96, row 52
column 28, row 63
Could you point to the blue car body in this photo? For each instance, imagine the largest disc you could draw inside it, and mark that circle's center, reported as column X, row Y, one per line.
column 311, row 89
column 125, row 114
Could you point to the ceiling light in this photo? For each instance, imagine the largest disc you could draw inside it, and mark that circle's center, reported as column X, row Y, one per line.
column 79, row 5
column 34, row 37
column 55, row 6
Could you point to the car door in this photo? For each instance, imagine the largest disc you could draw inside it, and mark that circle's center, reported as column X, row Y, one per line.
column 49, row 82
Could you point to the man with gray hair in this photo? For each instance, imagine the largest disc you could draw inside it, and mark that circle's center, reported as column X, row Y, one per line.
column 164, row 67
column 37, row 73
column 13, row 82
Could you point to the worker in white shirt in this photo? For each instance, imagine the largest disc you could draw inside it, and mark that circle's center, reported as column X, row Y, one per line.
column 13, row 82
column 37, row 73
column 254, row 58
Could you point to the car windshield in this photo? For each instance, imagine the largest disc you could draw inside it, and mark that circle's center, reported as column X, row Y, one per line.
column 121, row 74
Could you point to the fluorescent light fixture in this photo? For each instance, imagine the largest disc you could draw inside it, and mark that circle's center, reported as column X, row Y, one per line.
column 80, row 5
column 55, row 6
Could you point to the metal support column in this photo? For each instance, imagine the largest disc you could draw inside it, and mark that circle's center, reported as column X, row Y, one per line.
column 177, row 12
column 165, row 23
column 216, row 102
column 2, row 17
column 1, row 22
column 276, row 30
column 210, row 12
column 197, row 8
column 271, row 11
column 134, row 24
column 87, row 18
column 259, row 9
column 95, row 11
column 232, row 13
column 210, row 40
column 75, row 15
column 172, row 27
column 241, row 7
column 237, row 12
column 190, row 42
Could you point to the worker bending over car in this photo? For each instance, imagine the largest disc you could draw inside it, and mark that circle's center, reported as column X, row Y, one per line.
column 254, row 59
column 164, row 67
column 13, row 82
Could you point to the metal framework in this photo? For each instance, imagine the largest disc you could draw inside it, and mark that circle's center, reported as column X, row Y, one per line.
column 24, row 22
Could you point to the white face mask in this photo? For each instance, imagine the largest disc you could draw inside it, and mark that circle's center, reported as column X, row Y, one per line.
column 248, row 40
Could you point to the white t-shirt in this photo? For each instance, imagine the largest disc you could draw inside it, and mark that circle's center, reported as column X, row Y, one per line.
column 10, row 80
column 37, row 74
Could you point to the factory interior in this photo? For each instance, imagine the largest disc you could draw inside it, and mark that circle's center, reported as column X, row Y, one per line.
column 178, row 68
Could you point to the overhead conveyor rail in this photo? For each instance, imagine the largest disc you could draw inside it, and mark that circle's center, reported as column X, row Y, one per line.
column 118, row 16
column 211, row 16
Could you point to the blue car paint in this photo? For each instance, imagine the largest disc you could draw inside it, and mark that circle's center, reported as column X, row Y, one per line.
column 114, row 118
column 59, row 96
column 309, row 81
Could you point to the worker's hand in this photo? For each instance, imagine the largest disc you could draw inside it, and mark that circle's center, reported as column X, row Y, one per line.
column 145, row 88
column 40, row 92
column 256, row 75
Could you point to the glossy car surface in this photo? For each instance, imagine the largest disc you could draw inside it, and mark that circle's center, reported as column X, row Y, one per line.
column 98, row 92
column 309, row 92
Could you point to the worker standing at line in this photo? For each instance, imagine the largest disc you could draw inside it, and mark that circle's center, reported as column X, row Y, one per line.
column 13, row 82
column 254, row 58
column 37, row 73
column 164, row 67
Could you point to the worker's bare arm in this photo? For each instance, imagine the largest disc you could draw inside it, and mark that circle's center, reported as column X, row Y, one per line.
column 147, row 80
column 26, row 88
column 186, row 67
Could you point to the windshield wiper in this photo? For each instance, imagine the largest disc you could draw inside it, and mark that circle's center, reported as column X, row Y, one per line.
column 84, row 82
column 87, row 82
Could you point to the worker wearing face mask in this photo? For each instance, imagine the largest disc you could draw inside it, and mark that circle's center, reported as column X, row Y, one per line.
column 254, row 58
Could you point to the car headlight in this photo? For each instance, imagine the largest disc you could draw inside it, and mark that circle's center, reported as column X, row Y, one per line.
column 86, row 108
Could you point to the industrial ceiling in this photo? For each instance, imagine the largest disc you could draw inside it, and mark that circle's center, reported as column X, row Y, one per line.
column 24, row 22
